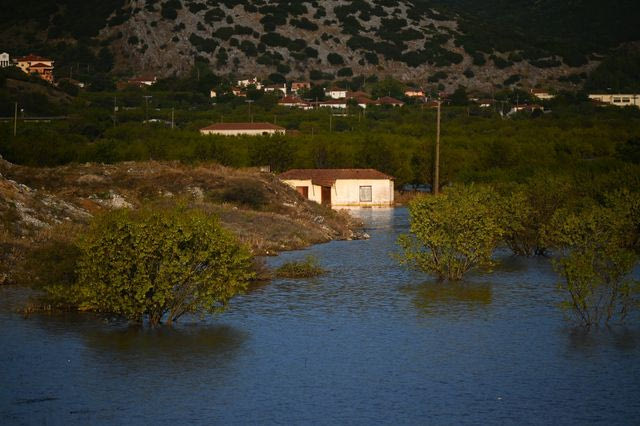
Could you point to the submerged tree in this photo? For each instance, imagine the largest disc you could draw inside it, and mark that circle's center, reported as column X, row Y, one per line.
column 158, row 264
column 452, row 233
column 597, row 251
column 528, row 209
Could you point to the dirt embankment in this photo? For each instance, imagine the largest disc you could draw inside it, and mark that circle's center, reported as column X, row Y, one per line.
column 263, row 212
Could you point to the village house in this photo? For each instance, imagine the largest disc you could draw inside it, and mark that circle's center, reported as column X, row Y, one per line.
column 618, row 99
column 296, row 86
column 485, row 103
column 237, row 129
column 34, row 64
column 280, row 89
column 334, row 103
column 5, row 60
column 414, row 93
column 294, row 102
column 388, row 100
column 525, row 108
column 336, row 93
column 142, row 81
column 250, row 82
column 541, row 94
column 340, row 188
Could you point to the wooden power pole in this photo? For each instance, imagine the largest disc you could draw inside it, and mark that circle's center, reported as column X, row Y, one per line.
column 15, row 120
column 436, row 160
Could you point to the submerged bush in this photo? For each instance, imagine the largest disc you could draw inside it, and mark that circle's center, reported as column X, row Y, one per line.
column 159, row 264
column 597, row 251
column 452, row 233
column 306, row 268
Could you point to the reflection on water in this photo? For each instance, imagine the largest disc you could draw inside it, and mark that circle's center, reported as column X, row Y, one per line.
column 442, row 298
column 370, row 342
column 177, row 343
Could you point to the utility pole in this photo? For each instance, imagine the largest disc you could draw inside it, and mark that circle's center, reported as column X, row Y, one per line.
column 146, row 110
column 15, row 120
column 436, row 171
column 115, row 110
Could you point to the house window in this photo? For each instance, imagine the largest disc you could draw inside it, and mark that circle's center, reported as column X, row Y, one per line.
column 365, row 194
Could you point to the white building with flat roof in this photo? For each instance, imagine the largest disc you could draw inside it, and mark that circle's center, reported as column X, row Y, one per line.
column 617, row 99
column 237, row 129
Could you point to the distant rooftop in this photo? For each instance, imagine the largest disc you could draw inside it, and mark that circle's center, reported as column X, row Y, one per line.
column 243, row 126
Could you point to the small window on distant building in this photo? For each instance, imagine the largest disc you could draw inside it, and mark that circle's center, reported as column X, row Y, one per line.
column 616, row 100
column 365, row 194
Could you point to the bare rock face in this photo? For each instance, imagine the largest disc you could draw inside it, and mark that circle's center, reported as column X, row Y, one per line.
column 24, row 210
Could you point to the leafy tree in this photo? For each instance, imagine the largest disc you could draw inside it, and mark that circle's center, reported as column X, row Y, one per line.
column 160, row 264
column 596, row 258
column 452, row 233
column 388, row 87
column 529, row 208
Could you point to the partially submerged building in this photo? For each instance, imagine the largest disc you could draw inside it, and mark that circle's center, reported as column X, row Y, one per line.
column 342, row 187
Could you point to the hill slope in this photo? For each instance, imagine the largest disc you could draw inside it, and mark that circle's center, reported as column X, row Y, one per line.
column 474, row 43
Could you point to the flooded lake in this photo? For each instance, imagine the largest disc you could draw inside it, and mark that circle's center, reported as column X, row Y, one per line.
column 369, row 342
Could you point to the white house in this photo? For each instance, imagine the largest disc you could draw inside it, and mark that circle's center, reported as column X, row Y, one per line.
column 334, row 103
column 336, row 93
column 618, row 99
column 250, row 82
column 294, row 102
column 4, row 60
column 542, row 94
column 342, row 187
column 236, row 129
column 274, row 88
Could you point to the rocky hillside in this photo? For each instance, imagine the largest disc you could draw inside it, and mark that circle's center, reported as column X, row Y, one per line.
column 456, row 42
column 264, row 213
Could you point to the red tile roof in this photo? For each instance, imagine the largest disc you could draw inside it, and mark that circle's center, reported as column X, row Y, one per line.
column 388, row 100
column 327, row 177
column 40, row 65
column 243, row 126
column 33, row 58
column 291, row 100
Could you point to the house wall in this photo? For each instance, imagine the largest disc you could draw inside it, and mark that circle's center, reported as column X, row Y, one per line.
column 4, row 60
column 315, row 191
column 619, row 99
column 240, row 132
column 346, row 192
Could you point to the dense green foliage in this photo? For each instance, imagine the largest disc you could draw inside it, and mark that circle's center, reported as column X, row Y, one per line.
column 597, row 251
column 152, row 264
column 453, row 233
column 593, row 149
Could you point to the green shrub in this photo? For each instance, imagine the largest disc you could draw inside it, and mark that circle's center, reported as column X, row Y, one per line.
column 158, row 264
column 245, row 191
column 306, row 268
column 452, row 233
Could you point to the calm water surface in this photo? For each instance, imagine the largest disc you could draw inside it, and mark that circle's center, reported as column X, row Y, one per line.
column 368, row 343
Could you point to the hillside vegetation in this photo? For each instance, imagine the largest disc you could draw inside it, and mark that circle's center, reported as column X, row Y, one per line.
column 475, row 44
